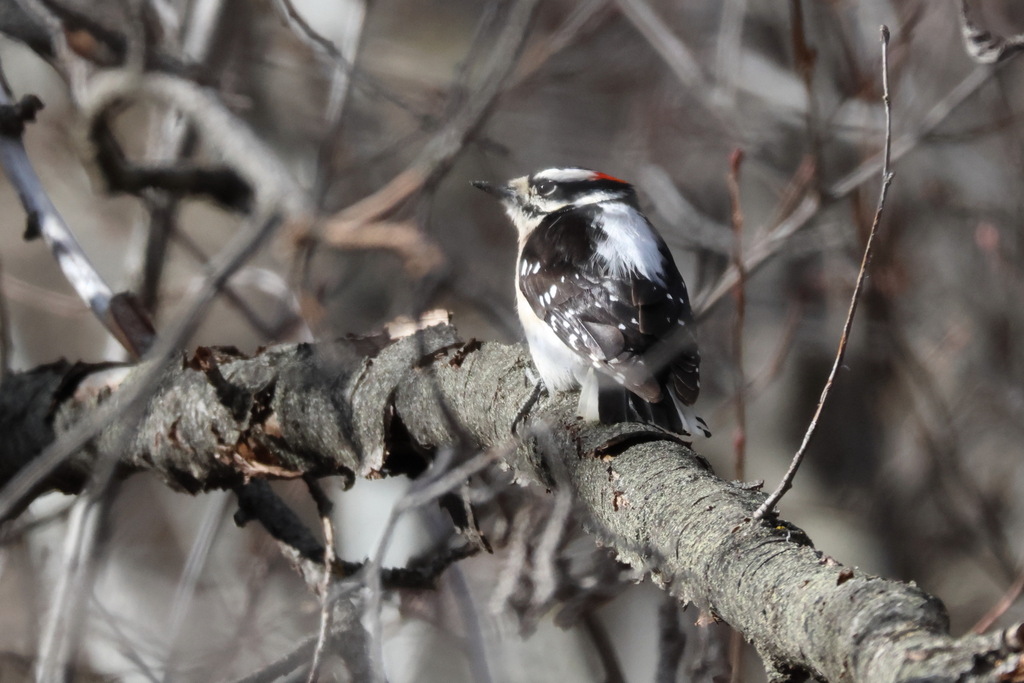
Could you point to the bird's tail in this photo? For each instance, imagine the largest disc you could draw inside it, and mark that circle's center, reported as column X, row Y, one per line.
column 604, row 400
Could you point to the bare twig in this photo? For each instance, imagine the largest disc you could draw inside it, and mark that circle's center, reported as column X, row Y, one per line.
column 63, row 622
column 805, row 58
column 740, row 294
column 268, row 329
column 324, row 507
column 771, row 242
column 763, row 249
column 586, row 14
column 916, row 133
column 1004, row 603
column 740, row 385
column 342, row 57
column 436, row 157
column 44, row 220
column 63, row 625
column 545, row 554
column 768, row 507
column 170, row 138
column 419, row 253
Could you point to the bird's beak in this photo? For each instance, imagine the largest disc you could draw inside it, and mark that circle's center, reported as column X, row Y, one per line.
column 502, row 192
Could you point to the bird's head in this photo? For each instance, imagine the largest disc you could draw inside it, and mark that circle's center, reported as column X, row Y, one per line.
column 528, row 199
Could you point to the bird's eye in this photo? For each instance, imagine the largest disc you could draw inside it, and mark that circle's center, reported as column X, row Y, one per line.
column 544, row 188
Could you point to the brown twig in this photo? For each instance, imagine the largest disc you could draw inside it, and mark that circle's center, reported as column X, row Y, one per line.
column 420, row 254
column 740, row 436
column 805, row 58
column 768, row 507
column 740, row 385
column 799, row 205
column 1004, row 603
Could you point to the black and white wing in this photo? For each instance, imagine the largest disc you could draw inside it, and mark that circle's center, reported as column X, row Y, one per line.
column 634, row 329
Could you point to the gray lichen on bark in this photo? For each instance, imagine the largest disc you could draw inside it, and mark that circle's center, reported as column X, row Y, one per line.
column 368, row 407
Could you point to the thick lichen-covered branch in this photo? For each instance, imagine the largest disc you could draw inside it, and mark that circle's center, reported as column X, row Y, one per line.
column 374, row 408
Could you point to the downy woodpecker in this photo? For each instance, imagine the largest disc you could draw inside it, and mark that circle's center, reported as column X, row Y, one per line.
column 601, row 301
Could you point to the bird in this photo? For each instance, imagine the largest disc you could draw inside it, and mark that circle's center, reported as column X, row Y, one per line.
column 601, row 300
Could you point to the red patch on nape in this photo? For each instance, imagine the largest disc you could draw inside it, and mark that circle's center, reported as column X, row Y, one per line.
column 605, row 176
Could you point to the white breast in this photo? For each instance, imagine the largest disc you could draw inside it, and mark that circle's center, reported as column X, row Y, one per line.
column 560, row 367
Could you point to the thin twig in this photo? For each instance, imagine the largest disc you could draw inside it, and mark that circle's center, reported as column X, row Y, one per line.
column 62, row 625
column 739, row 291
column 62, row 630
column 1004, row 603
column 771, row 242
column 768, row 506
column 342, row 57
column 676, row 55
column 805, row 58
column 324, row 507
column 44, row 220
column 811, row 204
column 740, row 386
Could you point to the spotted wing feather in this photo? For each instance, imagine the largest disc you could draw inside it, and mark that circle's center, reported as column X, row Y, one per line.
column 633, row 329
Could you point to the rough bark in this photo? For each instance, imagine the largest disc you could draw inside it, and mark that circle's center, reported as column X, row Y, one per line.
column 372, row 409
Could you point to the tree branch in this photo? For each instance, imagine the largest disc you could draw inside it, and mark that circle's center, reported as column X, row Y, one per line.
column 352, row 406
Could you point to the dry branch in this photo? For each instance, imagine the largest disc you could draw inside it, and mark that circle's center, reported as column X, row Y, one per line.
column 353, row 406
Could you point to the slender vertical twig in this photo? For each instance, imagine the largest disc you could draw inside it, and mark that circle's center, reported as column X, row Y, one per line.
column 740, row 385
column 768, row 506
column 324, row 507
column 739, row 292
